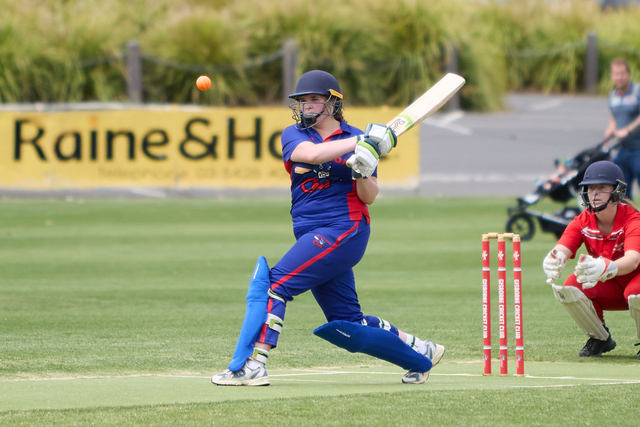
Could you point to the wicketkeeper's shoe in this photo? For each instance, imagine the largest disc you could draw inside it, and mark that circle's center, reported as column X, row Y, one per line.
column 595, row 347
column 435, row 353
column 245, row 376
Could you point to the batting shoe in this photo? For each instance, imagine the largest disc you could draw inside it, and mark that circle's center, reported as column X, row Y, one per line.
column 435, row 353
column 245, row 376
column 595, row 347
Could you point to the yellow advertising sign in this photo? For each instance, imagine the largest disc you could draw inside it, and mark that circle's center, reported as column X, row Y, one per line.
column 168, row 147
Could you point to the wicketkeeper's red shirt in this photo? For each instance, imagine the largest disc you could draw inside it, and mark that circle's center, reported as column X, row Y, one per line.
column 625, row 235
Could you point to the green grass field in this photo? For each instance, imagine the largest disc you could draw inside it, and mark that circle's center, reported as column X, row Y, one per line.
column 119, row 311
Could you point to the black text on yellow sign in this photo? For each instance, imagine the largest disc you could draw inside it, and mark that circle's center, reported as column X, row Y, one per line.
column 152, row 145
column 232, row 148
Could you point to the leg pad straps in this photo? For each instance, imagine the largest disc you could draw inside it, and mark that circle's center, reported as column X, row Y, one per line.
column 581, row 310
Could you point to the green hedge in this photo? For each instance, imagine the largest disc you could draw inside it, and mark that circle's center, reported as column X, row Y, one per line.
column 382, row 52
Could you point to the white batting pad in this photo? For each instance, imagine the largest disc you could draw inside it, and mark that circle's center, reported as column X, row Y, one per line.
column 634, row 310
column 581, row 310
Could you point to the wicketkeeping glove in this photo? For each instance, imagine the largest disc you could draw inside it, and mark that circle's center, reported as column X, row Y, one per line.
column 383, row 136
column 589, row 271
column 364, row 159
column 553, row 265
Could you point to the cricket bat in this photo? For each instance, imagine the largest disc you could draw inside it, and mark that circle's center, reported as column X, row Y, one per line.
column 430, row 102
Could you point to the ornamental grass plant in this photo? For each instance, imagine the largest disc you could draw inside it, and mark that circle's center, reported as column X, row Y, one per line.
column 77, row 50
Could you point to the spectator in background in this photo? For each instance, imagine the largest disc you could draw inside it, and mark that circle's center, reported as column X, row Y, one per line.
column 624, row 103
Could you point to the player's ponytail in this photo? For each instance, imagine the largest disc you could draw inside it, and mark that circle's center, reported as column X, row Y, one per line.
column 632, row 205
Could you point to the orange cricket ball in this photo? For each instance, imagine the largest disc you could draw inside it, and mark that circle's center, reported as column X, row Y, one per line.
column 203, row 83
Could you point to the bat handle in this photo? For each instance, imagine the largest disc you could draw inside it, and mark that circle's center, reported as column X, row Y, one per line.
column 355, row 170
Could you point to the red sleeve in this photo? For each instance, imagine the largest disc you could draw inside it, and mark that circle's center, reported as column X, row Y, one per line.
column 572, row 236
column 632, row 231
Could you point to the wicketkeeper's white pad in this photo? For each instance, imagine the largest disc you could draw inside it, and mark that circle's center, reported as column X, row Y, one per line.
column 581, row 310
column 634, row 310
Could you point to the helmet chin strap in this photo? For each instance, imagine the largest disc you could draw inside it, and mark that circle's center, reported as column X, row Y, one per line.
column 310, row 120
column 604, row 207
column 608, row 206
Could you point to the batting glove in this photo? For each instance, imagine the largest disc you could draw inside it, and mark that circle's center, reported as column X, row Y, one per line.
column 383, row 136
column 364, row 159
column 589, row 271
column 553, row 265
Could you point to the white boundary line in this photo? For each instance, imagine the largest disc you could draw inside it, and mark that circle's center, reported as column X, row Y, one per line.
column 572, row 385
column 303, row 373
column 287, row 377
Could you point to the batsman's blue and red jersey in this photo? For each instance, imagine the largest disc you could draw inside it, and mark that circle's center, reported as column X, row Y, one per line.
column 325, row 194
column 331, row 226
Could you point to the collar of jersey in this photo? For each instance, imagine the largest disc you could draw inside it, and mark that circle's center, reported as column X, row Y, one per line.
column 344, row 128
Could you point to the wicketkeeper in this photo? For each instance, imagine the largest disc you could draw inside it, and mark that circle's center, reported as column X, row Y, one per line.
column 333, row 169
column 608, row 277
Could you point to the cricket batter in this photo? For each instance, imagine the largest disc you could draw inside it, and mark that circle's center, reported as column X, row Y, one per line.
column 608, row 278
column 331, row 225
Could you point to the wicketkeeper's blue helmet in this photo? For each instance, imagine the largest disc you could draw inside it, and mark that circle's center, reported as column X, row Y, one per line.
column 603, row 172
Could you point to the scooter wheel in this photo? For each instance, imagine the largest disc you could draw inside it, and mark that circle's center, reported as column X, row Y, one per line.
column 521, row 224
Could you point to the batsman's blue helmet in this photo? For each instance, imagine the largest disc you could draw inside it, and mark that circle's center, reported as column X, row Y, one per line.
column 603, row 172
column 317, row 82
